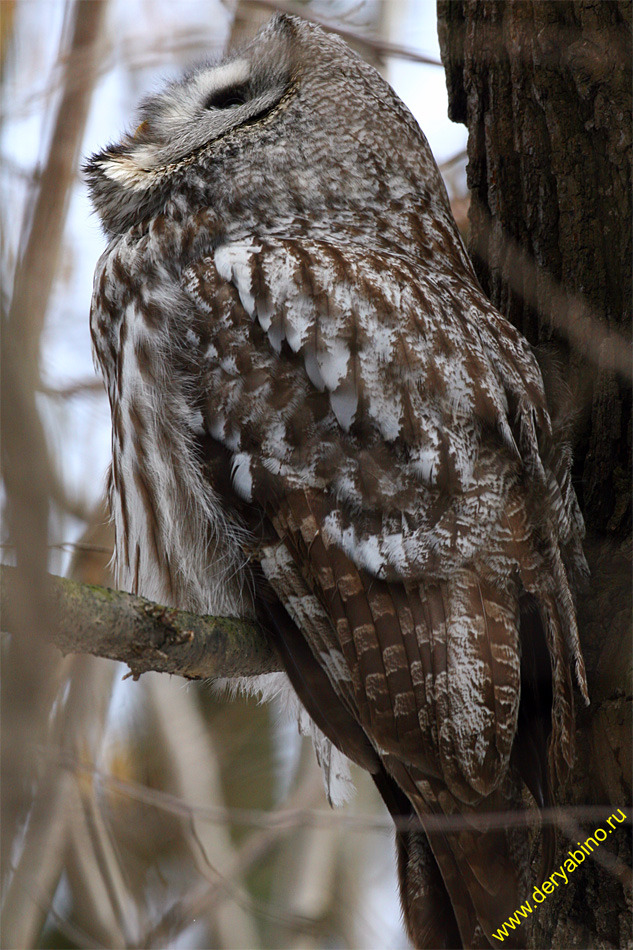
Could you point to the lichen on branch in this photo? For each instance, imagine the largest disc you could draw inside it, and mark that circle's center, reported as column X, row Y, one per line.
column 145, row 635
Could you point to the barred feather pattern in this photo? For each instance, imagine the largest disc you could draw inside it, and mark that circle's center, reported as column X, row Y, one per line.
column 319, row 421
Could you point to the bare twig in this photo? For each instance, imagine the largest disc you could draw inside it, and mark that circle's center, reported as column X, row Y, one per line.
column 370, row 43
column 132, row 50
column 254, row 848
column 36, row 872
column 78, row 388
column 58, row 838
column 83, row 546
column 148, row 636
column 570, row 314
column 68, row 929
column 291, row 816
column 29, row 673
column 460, row 156
column 602, row 856
column 192, row 774
column 68, row 546
column 40, row 256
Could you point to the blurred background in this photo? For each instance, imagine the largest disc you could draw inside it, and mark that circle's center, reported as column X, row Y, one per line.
column 151, row 813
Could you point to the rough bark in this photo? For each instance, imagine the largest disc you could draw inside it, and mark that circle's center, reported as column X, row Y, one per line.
column 544, row 89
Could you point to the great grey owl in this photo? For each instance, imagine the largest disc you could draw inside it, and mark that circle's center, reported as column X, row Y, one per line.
column 319, row 421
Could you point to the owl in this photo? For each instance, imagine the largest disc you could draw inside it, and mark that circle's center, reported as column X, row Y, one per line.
column 320, row 422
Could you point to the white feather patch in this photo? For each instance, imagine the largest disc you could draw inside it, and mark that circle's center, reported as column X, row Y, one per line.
column 344, row 402
column 242, row 476
column 127, row 172
column 233, row 263
column 333, row 363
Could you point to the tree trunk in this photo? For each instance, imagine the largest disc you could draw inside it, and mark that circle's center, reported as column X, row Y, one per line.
column 544, row 89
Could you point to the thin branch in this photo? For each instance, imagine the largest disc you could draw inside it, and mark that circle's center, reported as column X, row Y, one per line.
column 602, row 856
column 145, row 635
column 249, row 854
column 29, row 175
column 192, row 773
column 371, row 43
column 599, row 342
column 288, row 817
column 67, row 546
column 132, row 50
column 41, row 249
column 81, row 546
column 460, row 156
column 66, row 927
column 29, row 480
column 78, row 388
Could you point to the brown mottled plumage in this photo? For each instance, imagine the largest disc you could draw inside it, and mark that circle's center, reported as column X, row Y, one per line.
column 321, row 422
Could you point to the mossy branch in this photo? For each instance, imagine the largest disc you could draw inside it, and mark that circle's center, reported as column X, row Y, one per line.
column 145, row 635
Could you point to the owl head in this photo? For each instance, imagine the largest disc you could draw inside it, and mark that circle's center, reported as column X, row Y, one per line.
column 295, row 126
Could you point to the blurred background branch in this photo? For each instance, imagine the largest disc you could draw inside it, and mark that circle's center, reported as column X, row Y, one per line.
column 375, row 46
column 29, row 668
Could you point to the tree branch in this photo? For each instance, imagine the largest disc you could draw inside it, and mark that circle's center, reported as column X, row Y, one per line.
column 371, row 44
column 148, row 636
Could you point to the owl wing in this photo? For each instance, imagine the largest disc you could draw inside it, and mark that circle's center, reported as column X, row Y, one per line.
column 386, row 422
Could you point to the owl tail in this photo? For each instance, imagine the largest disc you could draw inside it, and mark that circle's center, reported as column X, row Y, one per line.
column 461, row 877
column 428, row 913
column 548, row 604
column 427, row 909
